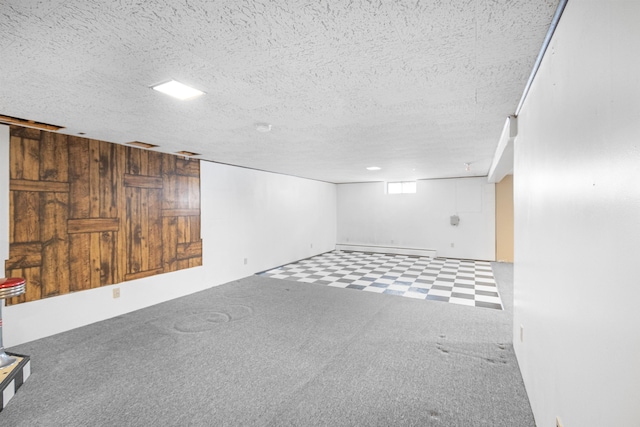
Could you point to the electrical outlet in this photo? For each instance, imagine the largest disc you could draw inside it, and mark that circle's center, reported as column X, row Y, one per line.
column 453, row 245
column 521, row 333
column 392, row 242
column 558, row 422
column 312, row 246
column 116, row 292
column 246, row 261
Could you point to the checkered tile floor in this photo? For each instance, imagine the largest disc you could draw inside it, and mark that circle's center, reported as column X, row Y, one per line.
column 455, row 281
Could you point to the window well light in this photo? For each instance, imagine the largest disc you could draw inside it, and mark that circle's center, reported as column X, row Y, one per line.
column 373, row 168
column 404, row 187
column 177, row 90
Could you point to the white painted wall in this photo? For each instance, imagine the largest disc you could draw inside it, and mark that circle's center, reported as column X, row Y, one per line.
column 268, row 218
column 577, row 221
column 369, row 216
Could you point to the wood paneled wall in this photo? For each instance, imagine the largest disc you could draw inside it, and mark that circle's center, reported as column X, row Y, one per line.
column 87, row 213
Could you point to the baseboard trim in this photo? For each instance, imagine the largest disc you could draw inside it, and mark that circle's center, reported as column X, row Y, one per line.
column 387, row 250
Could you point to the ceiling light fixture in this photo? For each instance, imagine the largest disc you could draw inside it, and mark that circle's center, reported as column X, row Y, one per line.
column 373, row 168
column 177, row 90
column 263, row 127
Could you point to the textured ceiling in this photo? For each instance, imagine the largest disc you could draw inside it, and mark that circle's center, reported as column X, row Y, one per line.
column 417, row 87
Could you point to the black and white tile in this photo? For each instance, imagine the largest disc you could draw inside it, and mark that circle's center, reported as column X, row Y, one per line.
column 465, row 282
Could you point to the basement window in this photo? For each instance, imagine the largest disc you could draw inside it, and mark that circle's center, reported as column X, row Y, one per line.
column 405, row 187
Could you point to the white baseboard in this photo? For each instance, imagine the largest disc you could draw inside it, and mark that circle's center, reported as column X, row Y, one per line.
column 387, row 250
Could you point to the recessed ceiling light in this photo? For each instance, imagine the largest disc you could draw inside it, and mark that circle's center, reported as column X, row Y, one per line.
column 177, row 90
column 373, row 168
column 263, row 127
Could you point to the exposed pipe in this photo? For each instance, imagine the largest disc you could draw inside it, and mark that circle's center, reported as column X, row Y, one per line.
column 545, row 45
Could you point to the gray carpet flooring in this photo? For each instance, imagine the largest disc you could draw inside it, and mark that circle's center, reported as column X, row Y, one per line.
column 269, row 352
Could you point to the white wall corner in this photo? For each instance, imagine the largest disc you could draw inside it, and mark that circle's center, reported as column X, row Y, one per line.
column 502, row 164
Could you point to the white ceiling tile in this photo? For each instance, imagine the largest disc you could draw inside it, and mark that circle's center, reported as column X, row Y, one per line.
column 424, row 84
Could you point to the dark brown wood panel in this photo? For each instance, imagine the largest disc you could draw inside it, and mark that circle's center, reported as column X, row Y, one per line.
column 78, row 177
column 55, row 244
column 142, row 181
column 194, row 228
column 94, row 179
column 189, row 250
column 170, row 243
column 79, row 262
column 108, row 257
column 170, row 198
column 155, row 164
column 25, row 255
column 33, row 289
column 87, row 213
column 54, row 157
column 187, row 168
column 25, row 217
column 25, row 133
column 193, row 189
column 181, row 212
column 25, row 158
column 40, row 186
column 121, row 239
column 155, row 228
column 108, row 192
column 134, row 231
column 141, row 274
column 92, row 225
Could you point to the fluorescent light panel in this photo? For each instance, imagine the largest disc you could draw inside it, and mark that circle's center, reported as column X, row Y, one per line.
column 178, row 90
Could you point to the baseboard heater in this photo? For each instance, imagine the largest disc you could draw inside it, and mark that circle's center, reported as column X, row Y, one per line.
column 386, row 249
